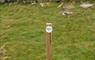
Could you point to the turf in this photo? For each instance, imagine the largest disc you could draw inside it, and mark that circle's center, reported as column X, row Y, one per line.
column 22, row 27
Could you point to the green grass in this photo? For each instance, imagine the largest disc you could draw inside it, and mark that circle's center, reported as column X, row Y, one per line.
column 22, row 27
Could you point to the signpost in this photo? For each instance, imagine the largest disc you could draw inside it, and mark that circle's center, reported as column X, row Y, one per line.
column 49, row 30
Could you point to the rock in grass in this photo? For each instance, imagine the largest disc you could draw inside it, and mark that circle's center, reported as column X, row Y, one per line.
column 67, row 9
column 86, row 5
column 67, row 13
column 2, row 1
column 68, row 6
column 44, row 4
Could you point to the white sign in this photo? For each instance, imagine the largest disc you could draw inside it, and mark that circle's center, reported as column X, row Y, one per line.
column 49, row 29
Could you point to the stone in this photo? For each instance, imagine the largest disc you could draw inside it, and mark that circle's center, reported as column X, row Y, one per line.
column 86, row 5
column 2, row 1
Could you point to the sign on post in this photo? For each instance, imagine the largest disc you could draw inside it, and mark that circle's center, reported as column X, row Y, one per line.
column 49, row 30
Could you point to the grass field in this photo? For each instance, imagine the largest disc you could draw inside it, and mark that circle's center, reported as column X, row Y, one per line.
column 22, row 27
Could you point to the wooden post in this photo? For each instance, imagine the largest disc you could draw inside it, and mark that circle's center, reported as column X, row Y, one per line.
column 48, row 41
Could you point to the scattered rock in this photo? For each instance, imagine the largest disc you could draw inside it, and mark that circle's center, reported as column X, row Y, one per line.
column 86, row 5
column 67, row 13
column 44, row 4
column 68, row 6
column 67, row 9
column 2, row 1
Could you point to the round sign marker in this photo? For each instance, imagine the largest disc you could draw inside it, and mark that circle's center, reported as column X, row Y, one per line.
column 49, row 28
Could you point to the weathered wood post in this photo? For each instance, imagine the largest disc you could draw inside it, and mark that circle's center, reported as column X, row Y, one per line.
column 48, row 41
